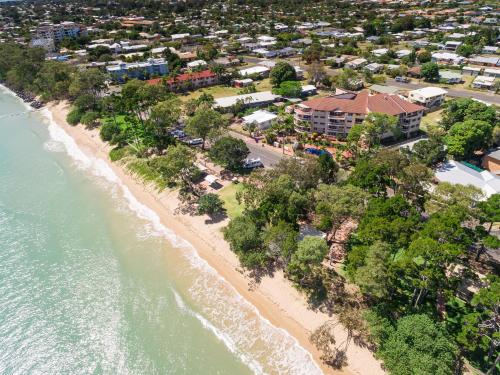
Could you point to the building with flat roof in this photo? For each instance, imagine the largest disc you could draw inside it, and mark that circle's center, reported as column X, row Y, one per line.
column 262, row 71
column 60, row 31
column 262, row 119
column 139, row 70
column 428, row 97
column 257, row 99
column 336, row 115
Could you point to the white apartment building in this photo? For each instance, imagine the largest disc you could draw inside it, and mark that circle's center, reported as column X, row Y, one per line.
column 428, row 97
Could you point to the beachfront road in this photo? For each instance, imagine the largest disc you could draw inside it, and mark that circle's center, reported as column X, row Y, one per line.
column 267, row 154
column 454, row 93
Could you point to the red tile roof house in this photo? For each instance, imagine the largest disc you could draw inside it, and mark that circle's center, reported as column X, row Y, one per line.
column 188, row 81
column 336, row 115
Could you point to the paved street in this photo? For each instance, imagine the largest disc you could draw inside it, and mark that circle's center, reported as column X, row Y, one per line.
column 268, row 155
column 457, row 93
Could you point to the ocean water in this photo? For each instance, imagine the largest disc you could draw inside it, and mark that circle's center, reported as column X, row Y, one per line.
column 92, row 283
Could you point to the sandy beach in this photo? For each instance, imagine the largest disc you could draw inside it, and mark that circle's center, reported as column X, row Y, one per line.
column 275, row 298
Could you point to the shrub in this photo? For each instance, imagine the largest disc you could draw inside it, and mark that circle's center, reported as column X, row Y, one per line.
column 73, row 118
column 117, row 153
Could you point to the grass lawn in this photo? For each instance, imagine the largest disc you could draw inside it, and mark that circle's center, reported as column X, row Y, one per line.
column 264, row 85
column 228, row 196
column 120, row 119
column 221, row 91
column 431, row 119
column 218, row 91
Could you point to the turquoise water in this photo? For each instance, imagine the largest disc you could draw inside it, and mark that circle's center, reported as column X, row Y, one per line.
column 92, row 283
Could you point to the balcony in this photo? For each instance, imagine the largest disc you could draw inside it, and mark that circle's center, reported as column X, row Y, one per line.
column 302, row 127
column 303, row 111
column 302, row 117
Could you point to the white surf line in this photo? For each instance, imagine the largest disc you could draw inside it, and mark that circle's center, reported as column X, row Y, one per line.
column 101, row 168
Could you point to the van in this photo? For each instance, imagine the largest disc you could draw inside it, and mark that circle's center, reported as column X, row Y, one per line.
column 253, row 163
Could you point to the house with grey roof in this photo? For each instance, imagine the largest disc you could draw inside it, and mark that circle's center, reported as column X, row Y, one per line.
column 455, row 172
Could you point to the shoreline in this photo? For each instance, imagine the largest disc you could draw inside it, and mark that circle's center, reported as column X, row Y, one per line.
column 274, row 298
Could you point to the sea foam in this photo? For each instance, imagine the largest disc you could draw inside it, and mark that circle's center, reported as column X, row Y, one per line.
column 233, row 330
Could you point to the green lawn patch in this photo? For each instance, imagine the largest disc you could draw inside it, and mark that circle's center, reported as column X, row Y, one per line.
column 228, row 196
column 431, row 119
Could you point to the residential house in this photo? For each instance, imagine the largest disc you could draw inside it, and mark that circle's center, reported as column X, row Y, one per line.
column 262, row 119
column 447, row 58
column 402, row 53
column 242, row 82
column 308, row 90
column 336, row 115
column 196, row 64
column 455, row 172
column 483, row 82
column 381, row 89
column 452, row 45
column 374, row 67
column 490, row 50
column 491, row 161
column 471, row 71
column 485, row 61
column 380, row 52
column 265, row 53
column 450, row 77
column 428, row 97
column 356, row 63
column 492, row 72
column 182, row 38
column 227, row 61
column 415, row 71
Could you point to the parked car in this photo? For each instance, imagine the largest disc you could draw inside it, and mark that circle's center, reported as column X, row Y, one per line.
column 194, row 142
column 253, row 163
column 401, row 79
column 178, row 133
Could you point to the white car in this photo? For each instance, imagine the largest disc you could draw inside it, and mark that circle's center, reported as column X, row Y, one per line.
column 195, row 142
column 253, row 163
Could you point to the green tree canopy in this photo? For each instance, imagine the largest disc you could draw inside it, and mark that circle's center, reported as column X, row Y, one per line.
column 282, row 72
column 206, row 123
column 468, row 136
column 430, row 72
column 419, row 346
column 210, row 204
column 310, row 253
column 229, row 152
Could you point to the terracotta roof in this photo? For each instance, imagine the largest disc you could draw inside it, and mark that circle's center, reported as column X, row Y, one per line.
column 329, row 104
column 184, row 77
column 391, row 105
column 363, row 103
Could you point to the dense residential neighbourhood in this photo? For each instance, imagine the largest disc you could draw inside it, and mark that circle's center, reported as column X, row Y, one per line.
column 375, row 124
